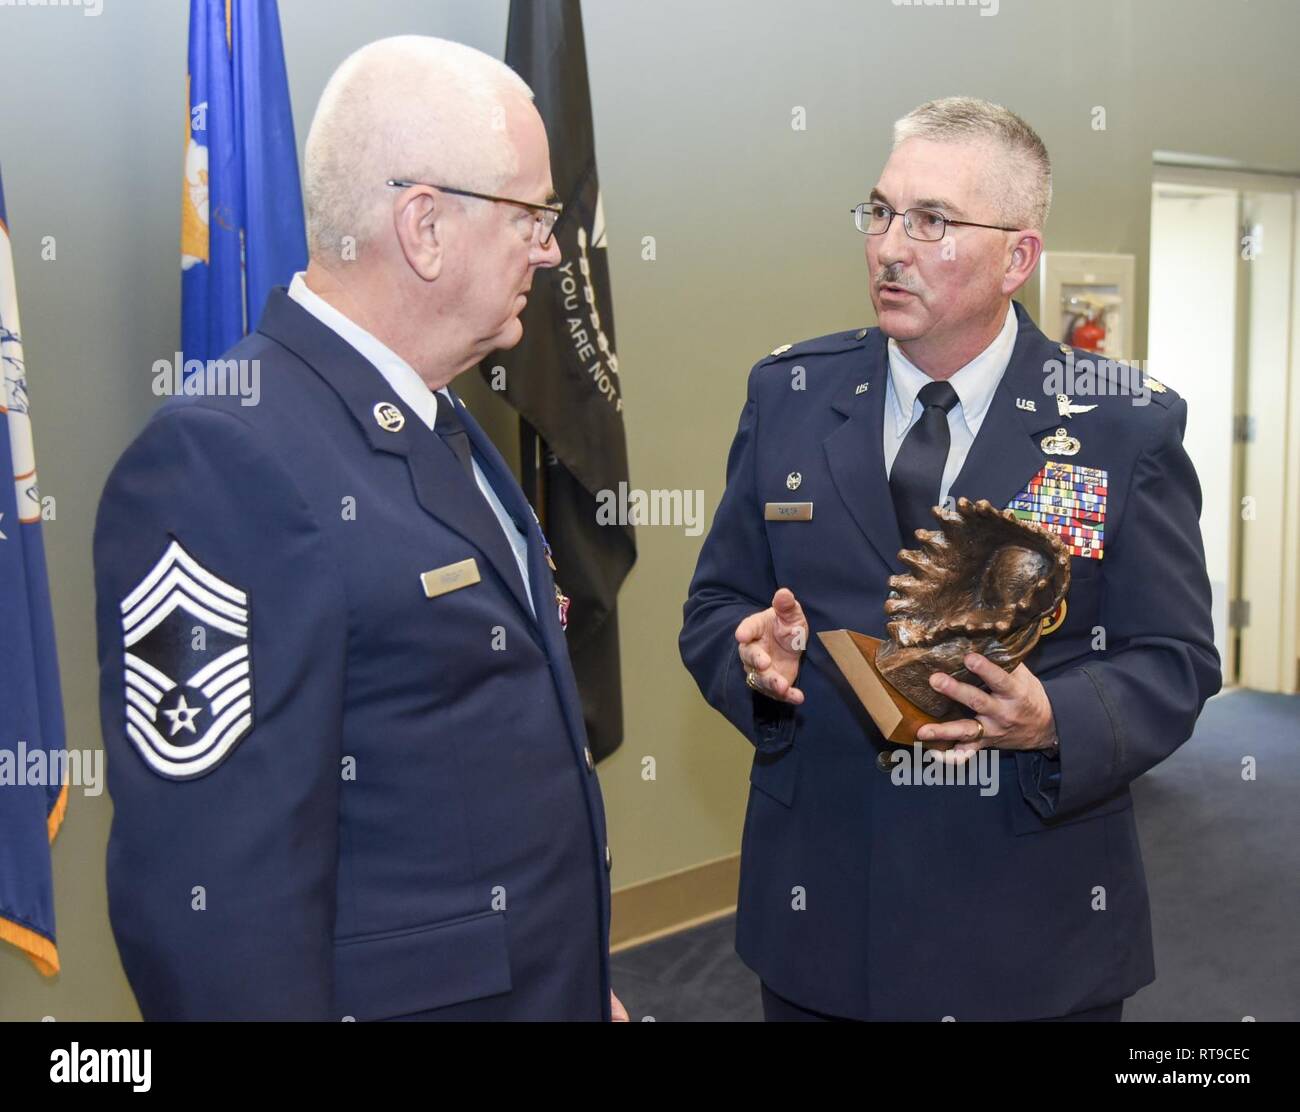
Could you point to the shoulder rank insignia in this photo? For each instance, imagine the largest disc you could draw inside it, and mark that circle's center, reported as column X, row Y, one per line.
column 1155, row 384
column 782, row 349
column 188, row 666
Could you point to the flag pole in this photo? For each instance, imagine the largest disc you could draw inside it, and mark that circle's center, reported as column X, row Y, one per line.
column 532, row 470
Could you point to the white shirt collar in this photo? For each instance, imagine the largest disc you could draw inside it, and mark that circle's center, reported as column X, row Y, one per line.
column 975, row 383
column 400, row 375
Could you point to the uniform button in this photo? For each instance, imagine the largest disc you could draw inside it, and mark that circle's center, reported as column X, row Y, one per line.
column 609, row 858
column 885, row 760
column 591, row 761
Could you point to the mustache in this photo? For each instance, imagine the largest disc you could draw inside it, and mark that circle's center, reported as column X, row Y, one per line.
column 893, row 275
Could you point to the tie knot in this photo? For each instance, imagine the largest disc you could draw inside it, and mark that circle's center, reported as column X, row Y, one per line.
column 447, row 420
column 938, row 393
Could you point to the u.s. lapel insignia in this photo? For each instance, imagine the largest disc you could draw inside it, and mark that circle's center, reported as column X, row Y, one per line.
column 562, row 602
column 1027, row 404
column 1060, row 443
column 1066, row 408
column 861, row 388
column 1069, row 500
column 388, row 417
column 188, row 666
column 793, row 480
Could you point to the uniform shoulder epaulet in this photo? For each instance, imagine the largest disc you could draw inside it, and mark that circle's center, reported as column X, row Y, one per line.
column 821, row 345
column 1159, row 391
column 1124, row 377
column 1147, row 382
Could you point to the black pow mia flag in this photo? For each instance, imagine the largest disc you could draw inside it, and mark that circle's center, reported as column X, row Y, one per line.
column 563, row 376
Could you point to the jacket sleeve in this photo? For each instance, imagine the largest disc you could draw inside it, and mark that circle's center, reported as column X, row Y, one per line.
column 221, row 870
column 1127, row 711
column 733, row 579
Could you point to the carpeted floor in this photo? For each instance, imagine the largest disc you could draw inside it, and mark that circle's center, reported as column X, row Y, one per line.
column 1222, row 858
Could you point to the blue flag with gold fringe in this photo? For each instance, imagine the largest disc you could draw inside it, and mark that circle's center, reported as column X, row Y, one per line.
column 33, row 791
column 241, row 213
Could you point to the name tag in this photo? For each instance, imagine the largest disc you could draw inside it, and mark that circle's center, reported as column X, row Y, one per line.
column 787, row 511
column 451, row 578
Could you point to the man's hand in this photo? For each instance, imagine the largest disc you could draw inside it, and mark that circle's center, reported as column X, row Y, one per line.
column 1015, row 711
column 772, row 644
column 617, row 1013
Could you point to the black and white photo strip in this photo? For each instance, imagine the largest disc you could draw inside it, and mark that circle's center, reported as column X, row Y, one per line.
column 649, row 511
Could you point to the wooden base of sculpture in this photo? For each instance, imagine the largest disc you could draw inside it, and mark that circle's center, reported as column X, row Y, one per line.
column 894, row 715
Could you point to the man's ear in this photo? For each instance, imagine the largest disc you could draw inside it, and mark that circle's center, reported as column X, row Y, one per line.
column 1024, row 257
column 418, row 218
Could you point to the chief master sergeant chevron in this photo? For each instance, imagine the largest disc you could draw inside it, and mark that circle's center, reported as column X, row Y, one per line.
column 346, row 753
column 861, row 895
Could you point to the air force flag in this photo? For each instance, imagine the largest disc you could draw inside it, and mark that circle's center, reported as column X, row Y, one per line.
column 241, row 205
column 189, row 696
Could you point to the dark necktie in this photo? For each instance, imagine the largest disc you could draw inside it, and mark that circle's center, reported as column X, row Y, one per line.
column 449, row 426
column 917, row 473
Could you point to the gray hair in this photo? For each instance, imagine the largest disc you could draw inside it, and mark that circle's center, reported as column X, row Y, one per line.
column 409, row 107
column 1020, row 181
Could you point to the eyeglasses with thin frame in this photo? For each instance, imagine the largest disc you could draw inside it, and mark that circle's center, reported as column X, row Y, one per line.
column 545, row 216
column 873, row 218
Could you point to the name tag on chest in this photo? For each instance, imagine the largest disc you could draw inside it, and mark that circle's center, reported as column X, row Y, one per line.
column 453, row 577
column 787, row 511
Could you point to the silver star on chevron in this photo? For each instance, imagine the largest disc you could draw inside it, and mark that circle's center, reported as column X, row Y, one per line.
column 182, row 716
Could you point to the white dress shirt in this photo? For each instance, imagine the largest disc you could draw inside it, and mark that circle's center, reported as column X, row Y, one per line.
column 975, row 384
column 422, row 401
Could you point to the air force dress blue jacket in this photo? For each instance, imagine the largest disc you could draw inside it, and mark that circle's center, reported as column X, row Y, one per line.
column 342, row 787
column 868, row 896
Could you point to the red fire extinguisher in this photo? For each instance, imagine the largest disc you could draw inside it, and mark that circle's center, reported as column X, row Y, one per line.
column 1088, row 329
column 1089, row 334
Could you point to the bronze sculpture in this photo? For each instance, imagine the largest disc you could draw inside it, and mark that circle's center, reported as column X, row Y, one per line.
column 985, row 582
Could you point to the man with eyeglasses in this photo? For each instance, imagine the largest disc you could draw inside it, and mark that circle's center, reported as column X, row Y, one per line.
column 871, row 889
column 347, row 755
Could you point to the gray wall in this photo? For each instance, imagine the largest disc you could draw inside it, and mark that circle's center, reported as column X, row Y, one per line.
column 754, row 247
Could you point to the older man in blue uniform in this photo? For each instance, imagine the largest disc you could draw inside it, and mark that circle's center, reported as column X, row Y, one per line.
column 865, row 894
column 346, row 752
